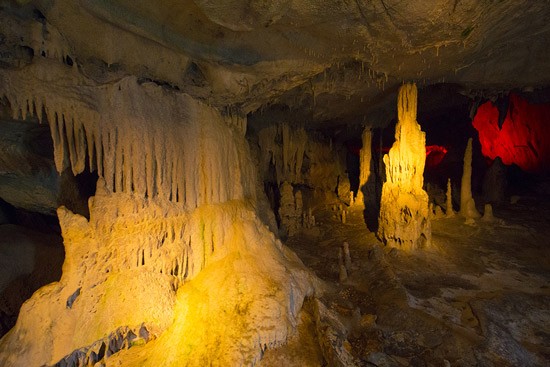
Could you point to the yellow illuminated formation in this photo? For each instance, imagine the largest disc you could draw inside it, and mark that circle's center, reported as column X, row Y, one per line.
column 404, row 212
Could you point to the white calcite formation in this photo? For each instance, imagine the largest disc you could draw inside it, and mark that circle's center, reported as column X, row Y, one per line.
column 174, row 242
column 120, row 130
column 404, row 215
column 467, row 204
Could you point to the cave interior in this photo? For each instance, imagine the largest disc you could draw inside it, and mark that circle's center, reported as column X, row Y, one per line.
column 275, row 183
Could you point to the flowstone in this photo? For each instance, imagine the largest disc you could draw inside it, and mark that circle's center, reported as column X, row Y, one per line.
column 404, row 214
column 174, row 244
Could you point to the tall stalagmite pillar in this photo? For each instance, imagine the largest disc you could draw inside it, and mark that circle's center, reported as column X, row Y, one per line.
column 467, row 203
column 365, row 166
column 449, row 202
column 367, row 186
column 404, row 215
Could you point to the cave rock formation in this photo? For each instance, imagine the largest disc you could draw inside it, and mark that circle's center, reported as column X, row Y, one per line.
column 404, row 215
column 174, row 240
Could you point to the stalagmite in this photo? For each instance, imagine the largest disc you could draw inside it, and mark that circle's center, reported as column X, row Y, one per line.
column 366, row 188
column 344, row 216
column 467, row 204
column 344, row 190
column 342, row 272
column 176, row 193
column 449, row 200
column 347, row 256
column 488, row 214
column 404, row 214
column 342, row 213
column 282, row 152
column 308, row 220
column 291, row 211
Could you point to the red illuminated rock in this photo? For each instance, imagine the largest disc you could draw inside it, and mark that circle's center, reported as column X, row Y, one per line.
column 523, row 138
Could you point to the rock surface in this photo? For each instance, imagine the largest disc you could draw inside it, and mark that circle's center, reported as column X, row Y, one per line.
column 28, row 178
column 338, row 58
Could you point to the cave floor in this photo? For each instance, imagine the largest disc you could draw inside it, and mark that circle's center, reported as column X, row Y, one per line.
column 478, row 296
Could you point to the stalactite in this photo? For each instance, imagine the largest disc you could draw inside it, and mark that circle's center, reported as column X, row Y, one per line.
column 287, row 158
column 175, row 193
column 135, row 154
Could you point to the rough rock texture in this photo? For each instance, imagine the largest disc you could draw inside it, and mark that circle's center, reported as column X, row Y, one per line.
column 495, row 182
column 28, row 178
column 476, row 298
column 467, row 204
column 155, row 97
column 147, row 251
column 330, row 56
column 290, row 210
column 404, row 214
column 292, row 154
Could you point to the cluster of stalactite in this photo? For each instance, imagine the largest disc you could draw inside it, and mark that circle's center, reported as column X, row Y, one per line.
column 138, row 137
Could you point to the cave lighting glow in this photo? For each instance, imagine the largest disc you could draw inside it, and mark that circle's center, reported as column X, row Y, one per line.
column 524, row 137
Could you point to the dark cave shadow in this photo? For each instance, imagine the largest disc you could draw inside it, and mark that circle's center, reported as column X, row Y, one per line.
column 371, row 201
column 48, row 263
column 372, row 190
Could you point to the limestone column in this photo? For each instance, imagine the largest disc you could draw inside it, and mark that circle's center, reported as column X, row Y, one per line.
column 367, row 195
column 467, row 204
column 404, row 213
column 365, row 165
column 449, row 203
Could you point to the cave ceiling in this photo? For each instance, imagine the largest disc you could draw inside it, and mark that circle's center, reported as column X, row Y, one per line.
column 329, row 61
